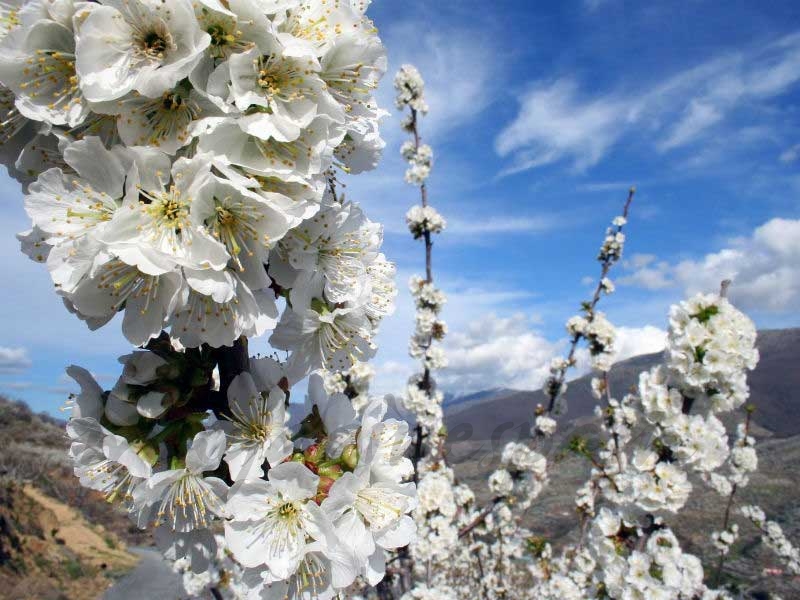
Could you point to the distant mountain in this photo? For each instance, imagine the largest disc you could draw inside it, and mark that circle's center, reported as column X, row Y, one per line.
column 452, row 401
column 774, row 385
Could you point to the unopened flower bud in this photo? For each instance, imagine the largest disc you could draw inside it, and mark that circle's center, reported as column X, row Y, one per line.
column 333, row 471
column 314, row 453
column 324, row 488
column 350, row 456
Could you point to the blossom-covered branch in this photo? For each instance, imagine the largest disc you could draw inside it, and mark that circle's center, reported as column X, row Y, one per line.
column 177, row 160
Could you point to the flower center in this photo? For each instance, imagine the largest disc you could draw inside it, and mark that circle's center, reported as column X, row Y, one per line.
column 154, row 41
column 233, row 225
column 167, row 209
column 154, row 44
column 9, row 18
column 225, row 37
column 287, row 510
column 123, row 281
column 280, row 79
column 11, row 121
column 189, row 503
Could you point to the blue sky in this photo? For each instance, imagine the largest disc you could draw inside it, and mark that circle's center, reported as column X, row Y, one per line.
column 542, row 114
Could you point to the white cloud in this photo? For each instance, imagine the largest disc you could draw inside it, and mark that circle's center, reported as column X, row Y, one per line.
column 14, row 360
column 558, row 122
column 554, row 124
column 764, row 268
column 633, row 341
column 497, row 352
column 646, row 272
column 790, row 154
column 468, row 304
column 508, row 351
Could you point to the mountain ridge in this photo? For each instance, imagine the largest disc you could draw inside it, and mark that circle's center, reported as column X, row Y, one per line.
column 773, row 384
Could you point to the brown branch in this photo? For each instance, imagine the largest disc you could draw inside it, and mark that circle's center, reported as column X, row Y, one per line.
column 481, row 517
column 554, row 390
column 423, row 190
column 417, row 450
column 232, row 361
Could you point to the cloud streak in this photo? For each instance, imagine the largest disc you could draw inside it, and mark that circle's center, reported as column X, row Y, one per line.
column 14, row 360
column 558, row 122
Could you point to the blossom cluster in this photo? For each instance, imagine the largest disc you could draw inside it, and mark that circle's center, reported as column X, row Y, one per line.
column 420, row 162
column 353, row 382
column 176, row 161
column 421, row 219
column 410, row 90
column 638, row 481
column 711, row 347
column 305, row 508
column 180, row 165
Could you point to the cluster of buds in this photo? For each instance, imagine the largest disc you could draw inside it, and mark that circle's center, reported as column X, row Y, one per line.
column 421, row 219
column 420, row 161
column 410, row 90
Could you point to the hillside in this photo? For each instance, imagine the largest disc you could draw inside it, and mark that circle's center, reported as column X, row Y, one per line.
column 480, row 426
column 57, row 541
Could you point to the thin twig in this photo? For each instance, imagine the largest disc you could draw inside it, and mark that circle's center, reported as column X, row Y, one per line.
column 729, row 506
column 481, row 517
column 554, row 390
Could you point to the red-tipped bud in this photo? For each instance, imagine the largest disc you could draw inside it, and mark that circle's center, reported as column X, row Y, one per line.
column 314, row 453
column 324, row 488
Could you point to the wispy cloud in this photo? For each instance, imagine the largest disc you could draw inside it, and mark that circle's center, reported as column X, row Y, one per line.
column 605, row 186
column 455, row 63
column 555, row 124
column 475, row 230
column 791, row 154
column 558, row 121
column 502, row 225
column 16, row 385
column 14, row 360
column 593, row 5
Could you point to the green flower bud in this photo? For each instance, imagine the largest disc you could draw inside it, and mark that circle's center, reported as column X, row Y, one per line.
column 331, row 470
column 350, row 456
